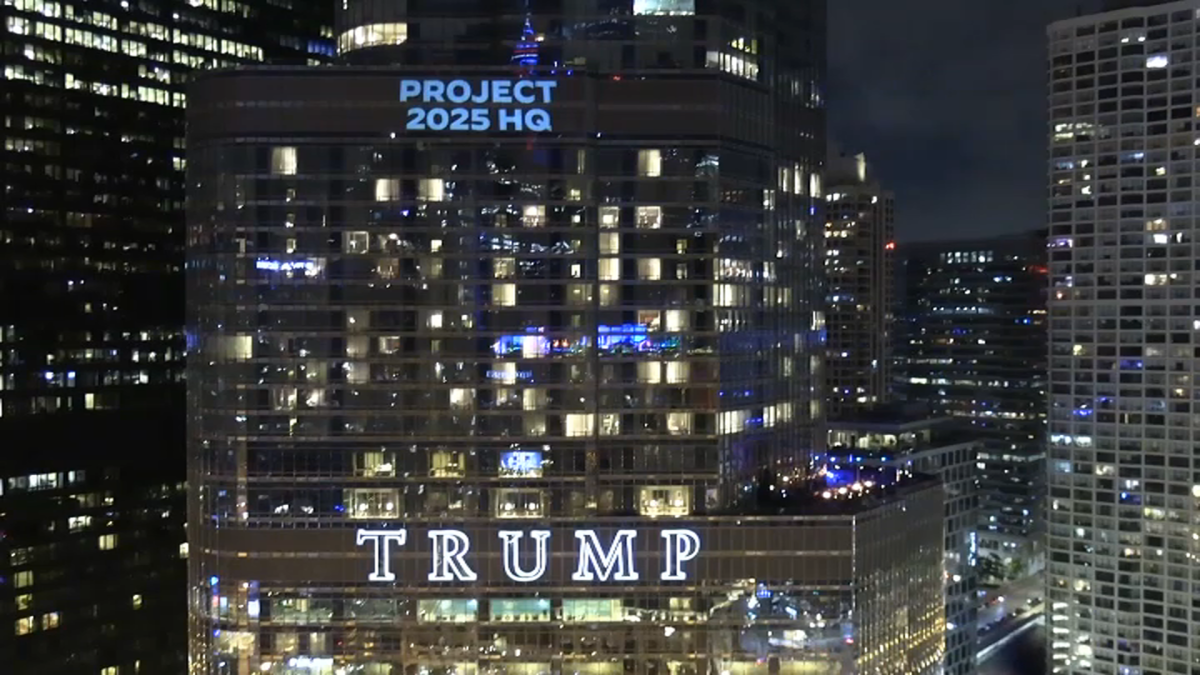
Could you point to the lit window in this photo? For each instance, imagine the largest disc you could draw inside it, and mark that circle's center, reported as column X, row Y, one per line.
column 372, row 35
column 678, row 372
column 435, row 319
column 664, row 500
column 356, row 242
column 504, row 268
column 107, row 542
column 283, row 161
column 25, row 625
column 136, row 601
column 679, row 423
column 23, row 579
column 610, row 243
column 446, row 464
column 650, row 163
column 183, row 550
column 387, row 189
column 372, row 503
column 1158, row 61
column 610, row 269
column 50, row 621
column 610, row 424
column 649, row 372
column 675, row 7
column 649, row 217
column 431, row 190
column 452, row 611
column 504, row 295
column 375, row 464
column 520, row 503
column 533, row 216
column 649, row 269
column 23, row 602
column 580, row 424
column 610, row 216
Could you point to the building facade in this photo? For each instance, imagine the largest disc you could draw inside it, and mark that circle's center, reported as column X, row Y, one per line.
column 526, row 293
column 889, row 436
column 859, row 268
column 91, row 245
column 92, row 549
column 971, row 345
column 1123, row 490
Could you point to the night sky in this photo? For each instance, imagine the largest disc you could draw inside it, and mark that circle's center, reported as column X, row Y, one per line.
column 947, row 98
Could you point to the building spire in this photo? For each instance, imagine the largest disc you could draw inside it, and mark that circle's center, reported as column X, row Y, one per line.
column 525, row 54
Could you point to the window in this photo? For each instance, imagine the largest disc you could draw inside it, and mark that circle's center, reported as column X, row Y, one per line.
column 519, row 609
column 434, row 320
column 610, row 243
column 650, row 163
column 610, row 269
column 679, row 423
column 649, row 372
column 372, row 35
column 107, row 542
column 356, row 242
column 610, row 216
column 533, row 216
column 23, row 602
column 375, row 464
column 520, row 503
column 649, row 217
column 284, row 161
column 372, row 503
column 580, row 424
column 610, row 424
column 592, row 609
column 649, row 269
column 23, row 579
column 25, row 625
column 677, row 320
column 453, row 611
column 387, row 189
column 136, row 601
column 431, row 190
column 504, row 295
column 50, row 621
column 446, row 464
column 664, row 500
column 504, row 268
column 111, row 670
column 77, row 523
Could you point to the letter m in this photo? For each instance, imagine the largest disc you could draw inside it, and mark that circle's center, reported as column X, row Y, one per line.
column 616, row 563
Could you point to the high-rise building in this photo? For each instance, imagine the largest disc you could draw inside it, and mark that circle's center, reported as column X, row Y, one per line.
column 1124, row 496
column 509, row 352
column 91, row 245
column 91, row 316
column 92, row 573
column 859, row 253
column 971, row 344
column 907, row 438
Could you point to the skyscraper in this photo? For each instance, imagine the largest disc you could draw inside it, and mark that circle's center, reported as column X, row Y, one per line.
column 1123, row 492
column 859, row 254
column 91, row 247
column 971, row 344
column 509, row 350
column 91, row 316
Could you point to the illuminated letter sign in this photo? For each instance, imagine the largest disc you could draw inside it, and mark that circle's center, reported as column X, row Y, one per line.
column 616, row 562
column 512, row 555
column 681, row 546
column 522, row 94
column 383, row 555
column 449, row 547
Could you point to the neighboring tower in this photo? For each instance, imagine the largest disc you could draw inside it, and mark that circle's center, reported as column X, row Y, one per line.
column 971, row 344
column 513, row 368
column 91, row 316
column 1124, row 499
column 859, row 250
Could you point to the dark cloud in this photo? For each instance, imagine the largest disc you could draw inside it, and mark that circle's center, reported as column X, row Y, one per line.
column 947, row 98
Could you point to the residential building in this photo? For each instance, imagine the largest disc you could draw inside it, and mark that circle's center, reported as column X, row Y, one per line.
column 859, row 257
column 972, row 346
column 909, row 439
column 1123, row 488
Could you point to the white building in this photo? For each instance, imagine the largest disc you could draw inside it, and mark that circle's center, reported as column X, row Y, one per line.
column 1123, row 500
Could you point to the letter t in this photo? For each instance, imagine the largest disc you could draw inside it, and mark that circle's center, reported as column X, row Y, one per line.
column 383, row 555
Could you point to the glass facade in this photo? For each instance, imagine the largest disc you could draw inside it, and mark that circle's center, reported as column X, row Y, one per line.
column 973, row 347
column 91, row 242
column 526, row 289
column 860, row 250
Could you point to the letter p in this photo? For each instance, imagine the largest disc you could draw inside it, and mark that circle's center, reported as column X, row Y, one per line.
column 409, row 89
column 680, row 547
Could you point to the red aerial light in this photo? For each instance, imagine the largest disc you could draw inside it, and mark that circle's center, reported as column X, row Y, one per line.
column 891, row 246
